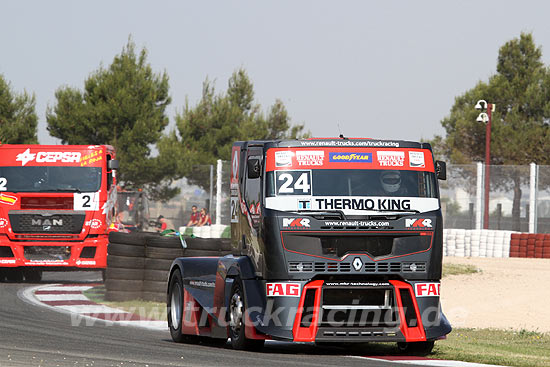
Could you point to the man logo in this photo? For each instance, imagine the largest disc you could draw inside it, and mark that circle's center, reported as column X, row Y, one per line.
column 296, row 222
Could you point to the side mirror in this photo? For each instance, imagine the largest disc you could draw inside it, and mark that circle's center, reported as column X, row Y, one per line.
column 112, row 165
column 253, row 168
column 441, row 170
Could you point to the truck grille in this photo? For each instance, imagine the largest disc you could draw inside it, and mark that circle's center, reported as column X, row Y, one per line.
column 42, row 221
column 331, row 267
column 47, row 253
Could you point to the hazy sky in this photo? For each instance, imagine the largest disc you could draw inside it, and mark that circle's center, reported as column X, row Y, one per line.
column 380, row 69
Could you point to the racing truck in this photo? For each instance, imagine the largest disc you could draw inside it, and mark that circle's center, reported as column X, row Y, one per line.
column 56, row 203
column 333, row 241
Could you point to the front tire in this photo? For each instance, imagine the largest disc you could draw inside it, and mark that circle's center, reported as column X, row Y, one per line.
column 237, row 312
column 416, row 348
column 175, row 310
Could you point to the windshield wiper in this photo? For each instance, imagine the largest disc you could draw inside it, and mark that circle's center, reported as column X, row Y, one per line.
column 71, row 189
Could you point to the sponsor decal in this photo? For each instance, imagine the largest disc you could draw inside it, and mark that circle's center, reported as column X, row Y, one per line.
column 3, row 222
column 364, row 204
column 357, row 264
column 418, row 223
column 304, row 204
column 310, row 157
column 85, row 262
column 282, row 289
column 349, row 143
column 416, row 159
column 91, row 158
column 55, row 222
column 235, row 165
column 390, row 159
column 202, row 284
column 46, row 262
column 283, row 158
column 350, row 157
column 7, row 261
column 356, row 223
column 94, row 223
column 296, row 222
column 8, row 199
column 427, row 289
column 48, row 157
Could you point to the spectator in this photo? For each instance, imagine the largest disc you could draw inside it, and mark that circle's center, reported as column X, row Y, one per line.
column 195, row 217
column 161, row 224
column 205, row 218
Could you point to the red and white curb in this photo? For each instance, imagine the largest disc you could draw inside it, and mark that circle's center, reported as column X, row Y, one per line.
column 69, row 298
column 423, row 361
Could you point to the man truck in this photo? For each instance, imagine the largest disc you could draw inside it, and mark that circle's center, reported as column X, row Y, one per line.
column 333, row 241
column 56, row 204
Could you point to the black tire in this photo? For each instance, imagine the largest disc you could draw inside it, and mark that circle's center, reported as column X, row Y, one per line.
column 175, row 310
column 123, row 285
column 237, row 310
column 154, row 286
column 156, row 275
column 213, row 244
column 2, row 275
column 126, row 262
column 14, row 274
column 164, row 242
column 32, row 275
column 158, row 264
column 126, row 250
column 155, row 296
column 164, row 253
column 117, row 296
column 201, row 253
column 134, row 238
column 124, row 274
column 416, row 348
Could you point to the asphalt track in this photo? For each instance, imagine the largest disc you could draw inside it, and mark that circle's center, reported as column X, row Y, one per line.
column 34, row 336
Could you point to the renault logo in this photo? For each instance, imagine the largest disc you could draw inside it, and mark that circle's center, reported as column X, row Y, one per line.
column 357, row 264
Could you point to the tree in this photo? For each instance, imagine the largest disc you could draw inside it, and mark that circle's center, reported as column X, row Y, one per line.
column 519, row 130
column 206, row 132
column 124, row 106
column 18, row 119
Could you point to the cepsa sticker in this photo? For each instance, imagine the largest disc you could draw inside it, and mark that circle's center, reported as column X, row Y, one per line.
column 3, row 222
column 47, row 157
column 427, row 289
column 282, row 289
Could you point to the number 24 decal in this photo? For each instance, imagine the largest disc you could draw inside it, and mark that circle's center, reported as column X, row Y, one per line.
column 293, row 182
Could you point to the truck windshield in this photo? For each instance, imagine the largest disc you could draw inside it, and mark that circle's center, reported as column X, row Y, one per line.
column 50, row 179
column 352, row 182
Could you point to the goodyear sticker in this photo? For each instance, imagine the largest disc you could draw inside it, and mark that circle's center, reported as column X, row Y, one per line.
column 350, row 157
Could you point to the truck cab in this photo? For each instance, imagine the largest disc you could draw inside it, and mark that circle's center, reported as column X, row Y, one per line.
column 342, row 237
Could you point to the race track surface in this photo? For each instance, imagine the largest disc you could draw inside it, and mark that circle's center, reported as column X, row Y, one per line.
column 34, row 336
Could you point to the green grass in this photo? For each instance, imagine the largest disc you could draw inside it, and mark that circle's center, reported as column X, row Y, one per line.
column 147, row 309
column 502, row 347
column 459, row 269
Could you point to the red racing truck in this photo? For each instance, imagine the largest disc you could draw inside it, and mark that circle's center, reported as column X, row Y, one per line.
column 56, row 204
column 334, row 241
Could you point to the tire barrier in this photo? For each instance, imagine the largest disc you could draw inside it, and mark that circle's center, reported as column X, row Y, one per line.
column 138, row 263
column 495, row 243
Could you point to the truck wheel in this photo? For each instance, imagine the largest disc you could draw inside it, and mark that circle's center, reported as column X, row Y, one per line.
column 237, row 309
column 175, row 310
column 14, row 275
column 416, row 348
column 32, row 275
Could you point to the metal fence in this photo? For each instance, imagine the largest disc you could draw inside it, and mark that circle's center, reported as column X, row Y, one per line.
column 206, row 187
column 519, row 197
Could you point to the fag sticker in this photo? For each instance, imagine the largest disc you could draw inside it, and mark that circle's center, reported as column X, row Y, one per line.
column 427, row 289
column 8, row 199
column 282, row 289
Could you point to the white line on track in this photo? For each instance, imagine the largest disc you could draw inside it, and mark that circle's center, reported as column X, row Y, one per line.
column 61, row 297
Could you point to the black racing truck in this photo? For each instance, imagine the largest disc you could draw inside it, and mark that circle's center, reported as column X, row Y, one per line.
column 333, row 241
